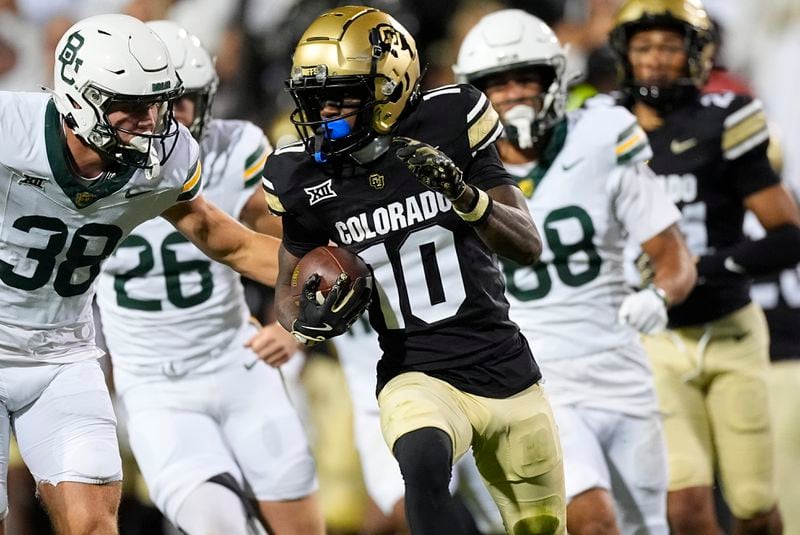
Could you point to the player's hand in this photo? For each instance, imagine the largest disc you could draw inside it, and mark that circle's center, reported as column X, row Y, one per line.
column 645, row 311
column 273, row 344
column 431, row 166
column 320, row 318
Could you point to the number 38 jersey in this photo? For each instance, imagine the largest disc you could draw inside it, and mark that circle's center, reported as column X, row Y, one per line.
column 56, row 229
column 164, row 303
column 439, row 306
column 589, row 192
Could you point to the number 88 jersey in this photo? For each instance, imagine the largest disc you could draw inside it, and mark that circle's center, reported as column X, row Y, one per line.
column 56, row 228
column 590, row 191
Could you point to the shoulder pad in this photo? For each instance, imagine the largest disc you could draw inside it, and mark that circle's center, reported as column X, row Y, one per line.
column 463, row 102
column 600, row 101
column 613, row 126
column 281, row 165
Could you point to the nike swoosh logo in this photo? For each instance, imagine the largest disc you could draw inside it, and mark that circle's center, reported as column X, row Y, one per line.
column 325, row 327
column 677, row 146
column 567, row 167
column 130, row 194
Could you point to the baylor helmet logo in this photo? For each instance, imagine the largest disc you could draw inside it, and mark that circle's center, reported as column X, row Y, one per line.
column 69, row 57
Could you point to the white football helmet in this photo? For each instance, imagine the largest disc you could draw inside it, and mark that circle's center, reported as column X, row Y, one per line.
column 512, row 40
column 110, row 59
column 195, row 67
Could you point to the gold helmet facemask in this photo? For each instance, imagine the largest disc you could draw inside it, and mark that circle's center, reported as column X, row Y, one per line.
column 352, row 53
column 685, row 16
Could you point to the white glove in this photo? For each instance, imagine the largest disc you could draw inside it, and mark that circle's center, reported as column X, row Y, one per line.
column 645, row 311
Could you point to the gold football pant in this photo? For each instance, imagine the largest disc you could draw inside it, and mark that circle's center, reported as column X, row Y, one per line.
column 784, row 396
column 514, row 441
column 711, row 382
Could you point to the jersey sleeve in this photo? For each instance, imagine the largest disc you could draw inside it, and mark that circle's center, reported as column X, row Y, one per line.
column 483, row 121
column 481, row 127
column 744, row 142
column 253, row 150
column 301, row 231
column 277, row 166
column 641, row 203
column 257, row 148
column 193, row 182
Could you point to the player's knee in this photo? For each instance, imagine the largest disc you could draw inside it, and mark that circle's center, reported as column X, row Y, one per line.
column 750, row 500
column 685, row 520
column 764, row 522
column 213, row 509
column 92, row 523
column 425, row 457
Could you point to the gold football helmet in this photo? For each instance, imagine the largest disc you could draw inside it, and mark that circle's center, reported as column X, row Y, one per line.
column 352, row 52
column 686, row 16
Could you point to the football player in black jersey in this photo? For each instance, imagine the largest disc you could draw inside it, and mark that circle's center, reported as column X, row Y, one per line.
column 412, row 183
column 779, row 296
column 711, row 366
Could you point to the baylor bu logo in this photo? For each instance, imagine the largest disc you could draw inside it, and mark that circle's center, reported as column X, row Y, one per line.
column 376, row 181
column 320, row 192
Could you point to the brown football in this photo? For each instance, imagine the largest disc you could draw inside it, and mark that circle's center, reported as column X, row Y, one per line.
column 328, row 262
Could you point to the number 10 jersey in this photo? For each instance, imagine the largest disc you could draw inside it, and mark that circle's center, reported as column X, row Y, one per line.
column 438, row 306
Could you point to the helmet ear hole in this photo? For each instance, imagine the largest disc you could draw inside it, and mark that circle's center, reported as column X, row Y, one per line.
column 398, row 92
column 70, row 121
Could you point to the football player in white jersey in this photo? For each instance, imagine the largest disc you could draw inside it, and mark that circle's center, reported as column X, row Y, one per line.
column 79, row 169
column 177, row 328
column 588, row 187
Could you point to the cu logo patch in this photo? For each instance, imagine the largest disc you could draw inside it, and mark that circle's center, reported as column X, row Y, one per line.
column 69, row 57
column 376, row 181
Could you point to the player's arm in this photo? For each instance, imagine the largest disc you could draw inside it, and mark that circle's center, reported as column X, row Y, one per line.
column 777, row 250
column 508, row 228
column 310, row 318
column 650, row 218
column 285, row 305
column 256, row 215
column 500, row 215
column 225, row 240
column 671, row 261
column 744, row 143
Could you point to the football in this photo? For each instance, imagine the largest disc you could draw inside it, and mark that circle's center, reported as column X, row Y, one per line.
column 327, row 262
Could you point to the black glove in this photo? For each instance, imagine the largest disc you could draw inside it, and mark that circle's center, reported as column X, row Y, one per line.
column 317, row 321
column 431, row 166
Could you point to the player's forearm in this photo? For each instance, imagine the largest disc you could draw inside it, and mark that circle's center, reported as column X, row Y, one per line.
column 505, row 225
column 778, row 250
column 674, row 270
column 285, row 305
column 255, row 257
column 676, row 275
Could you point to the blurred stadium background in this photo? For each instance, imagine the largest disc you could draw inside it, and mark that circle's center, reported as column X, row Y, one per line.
column 253, row 42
